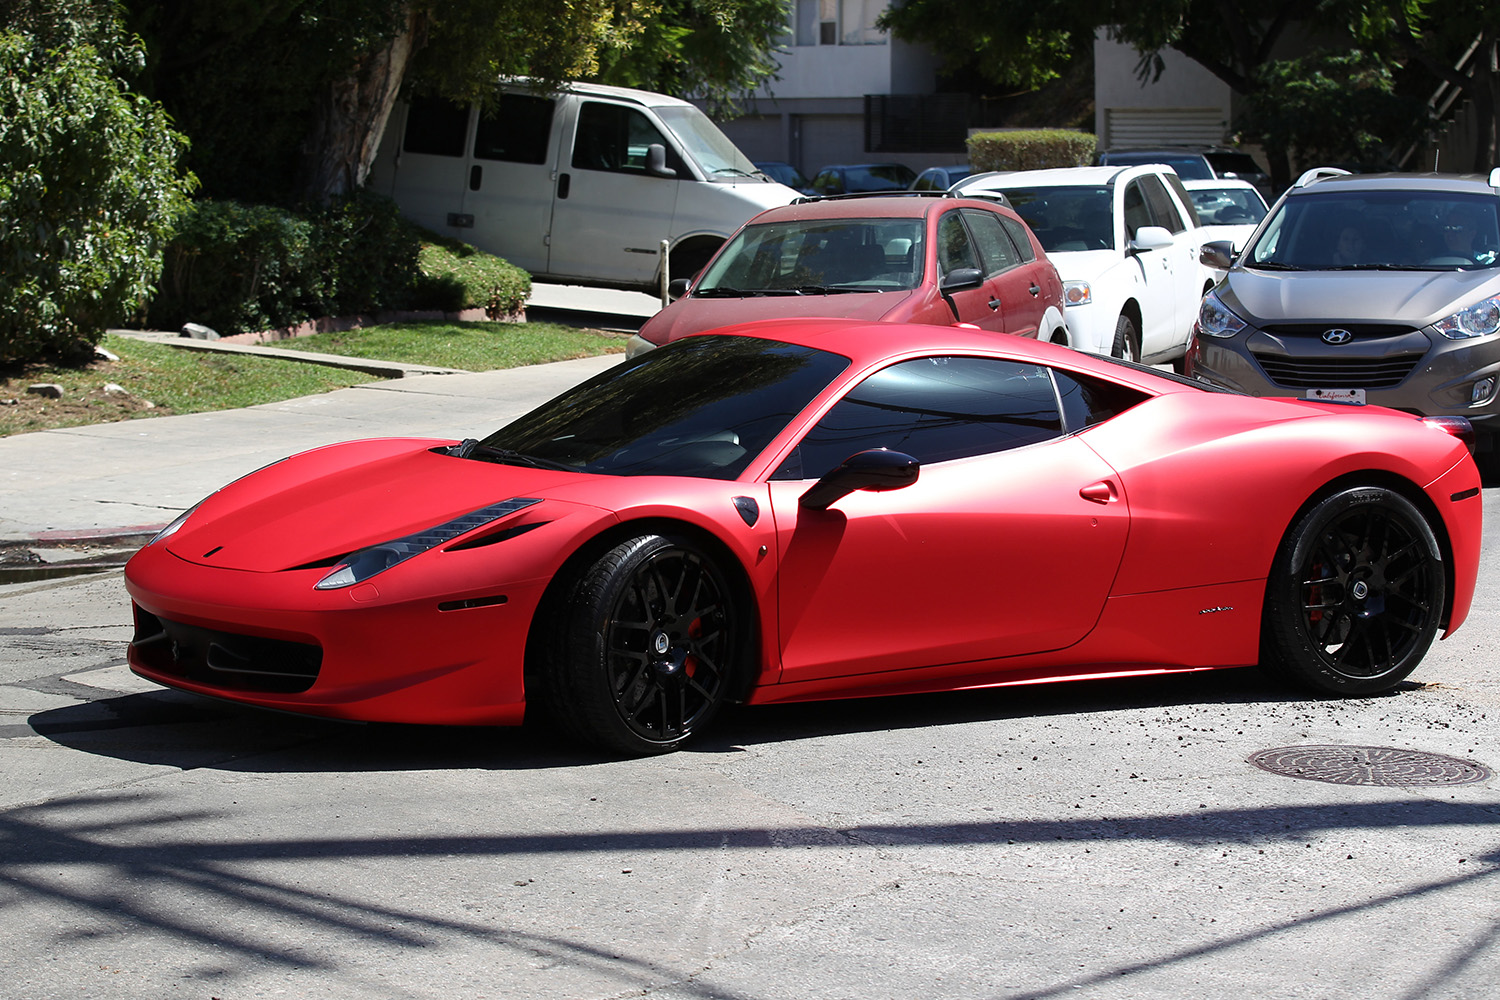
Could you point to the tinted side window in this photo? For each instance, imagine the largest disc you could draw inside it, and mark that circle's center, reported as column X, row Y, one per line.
column 934, row 409
column 1017, row 232
column 517, row 130
column 955, row 249
column 995, row 248
column 1136, row 212
column 613, row 137
column 436, row 127
column 1163, row 210
column 1088, row 401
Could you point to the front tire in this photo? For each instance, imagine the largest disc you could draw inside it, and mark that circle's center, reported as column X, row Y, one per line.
column 1126, row 346
column 644, row 646
column 1355, row 595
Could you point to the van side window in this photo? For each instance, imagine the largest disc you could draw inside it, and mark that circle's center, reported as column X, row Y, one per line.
column 436, row 127
column 515, row 130
column 613, row 137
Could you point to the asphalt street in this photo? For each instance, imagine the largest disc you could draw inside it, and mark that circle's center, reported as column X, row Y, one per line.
column 1104, row 840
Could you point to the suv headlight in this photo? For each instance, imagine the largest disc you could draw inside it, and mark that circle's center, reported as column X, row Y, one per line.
column 1215, row 319
column 1479, row 320
column 1077, row 293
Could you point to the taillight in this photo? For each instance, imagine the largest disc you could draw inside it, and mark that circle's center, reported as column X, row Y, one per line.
column 1459, row 427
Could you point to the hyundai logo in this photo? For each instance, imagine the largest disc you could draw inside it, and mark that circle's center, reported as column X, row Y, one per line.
column 1337, row 336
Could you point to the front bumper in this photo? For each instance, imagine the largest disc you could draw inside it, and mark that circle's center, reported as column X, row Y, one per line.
column 1418, row 371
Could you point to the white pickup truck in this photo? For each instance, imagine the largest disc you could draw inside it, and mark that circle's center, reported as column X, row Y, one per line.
column 1125, row 241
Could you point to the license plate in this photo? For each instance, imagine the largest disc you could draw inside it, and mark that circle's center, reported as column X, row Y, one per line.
column 1355, row 396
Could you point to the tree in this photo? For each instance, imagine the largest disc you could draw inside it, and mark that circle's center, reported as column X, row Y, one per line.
column 89, row 185
column 1236, row 40
column 317, row 79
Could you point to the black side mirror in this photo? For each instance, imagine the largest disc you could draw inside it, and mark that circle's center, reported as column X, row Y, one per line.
column 961, row 278
column 677, row 288
column 656, row 161
column 1218, row 255
column 877, row 470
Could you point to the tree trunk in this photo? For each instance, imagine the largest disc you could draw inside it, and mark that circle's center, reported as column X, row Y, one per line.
column 1486, row 103
column 352, row 115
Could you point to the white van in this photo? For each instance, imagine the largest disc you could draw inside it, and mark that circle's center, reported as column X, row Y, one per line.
column 578, row 186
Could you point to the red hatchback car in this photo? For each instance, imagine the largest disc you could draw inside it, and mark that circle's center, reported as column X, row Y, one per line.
column 908, row 259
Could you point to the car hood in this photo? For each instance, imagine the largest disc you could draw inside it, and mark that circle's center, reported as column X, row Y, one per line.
column 316, row 507
column 689, row 315
column 1083, row 265
column 1415, row 298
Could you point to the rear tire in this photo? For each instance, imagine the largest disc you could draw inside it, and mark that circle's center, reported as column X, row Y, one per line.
column 643, row 648
column 1127, row 343
column 1355, row 594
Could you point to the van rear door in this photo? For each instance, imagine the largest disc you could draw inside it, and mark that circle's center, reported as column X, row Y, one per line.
column 611, row 212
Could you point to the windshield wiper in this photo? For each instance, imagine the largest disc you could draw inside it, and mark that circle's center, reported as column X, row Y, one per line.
column 737, row 172
column 506, row 456
column 1274, row 265
column 1367, row 267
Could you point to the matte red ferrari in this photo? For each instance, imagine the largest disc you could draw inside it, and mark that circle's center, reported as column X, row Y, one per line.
column 810, row 509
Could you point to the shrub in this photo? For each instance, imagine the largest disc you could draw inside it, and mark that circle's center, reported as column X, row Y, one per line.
column 457, row 276
column 1030, row 149
column 89, row 185
column 240, row 268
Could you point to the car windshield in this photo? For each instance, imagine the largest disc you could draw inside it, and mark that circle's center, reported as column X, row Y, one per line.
column 812, row 256
column 1379, row 230
column 1067, row 218
column 702, row 406
column 702, row 140
column 879, row 177
column 1228, row 206
column 1191, row 167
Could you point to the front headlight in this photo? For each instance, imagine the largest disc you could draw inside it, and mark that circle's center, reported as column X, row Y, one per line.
column 1479, row 320
column 1215, row 319
column 360, row 566
column 171, row 529
column 1077, row 293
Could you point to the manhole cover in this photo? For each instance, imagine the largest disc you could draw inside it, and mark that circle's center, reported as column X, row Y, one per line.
column 1369, row 766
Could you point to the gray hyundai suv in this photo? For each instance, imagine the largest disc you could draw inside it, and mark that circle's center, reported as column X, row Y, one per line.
column 1379, row 288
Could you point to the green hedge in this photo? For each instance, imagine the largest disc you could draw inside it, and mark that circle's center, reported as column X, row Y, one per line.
column 1030, row 149
column 456, row 276
column 240, row 268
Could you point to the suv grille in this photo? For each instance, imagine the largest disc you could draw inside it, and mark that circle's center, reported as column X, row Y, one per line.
column 1337, row 373
column 224, row 659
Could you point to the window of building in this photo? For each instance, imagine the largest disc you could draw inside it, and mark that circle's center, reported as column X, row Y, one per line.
column 839, row 22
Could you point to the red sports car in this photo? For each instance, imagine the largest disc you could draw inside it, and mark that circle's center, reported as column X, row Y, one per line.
column 811, row 509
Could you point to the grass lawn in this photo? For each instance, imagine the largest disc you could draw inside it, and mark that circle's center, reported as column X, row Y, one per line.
column 471, row 346
column 159, row 380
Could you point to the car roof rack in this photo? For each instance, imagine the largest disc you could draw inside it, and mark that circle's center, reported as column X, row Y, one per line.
column 808, row 199
column 1318, row 174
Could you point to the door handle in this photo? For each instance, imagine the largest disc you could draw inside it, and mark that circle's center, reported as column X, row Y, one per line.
column 564, row 182
column 1101, row 492
column 476, row 175
column 1035, row 289
column 994, row 305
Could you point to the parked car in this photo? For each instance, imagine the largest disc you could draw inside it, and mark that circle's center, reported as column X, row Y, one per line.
column 1229, row 210
column 1377, row 288
column 580, row 185
column 1126, row 241
column 917, row 259
column 806, row 509
column 1196, row 163
column 857, row 177
column 940, row 178
column 785, row 173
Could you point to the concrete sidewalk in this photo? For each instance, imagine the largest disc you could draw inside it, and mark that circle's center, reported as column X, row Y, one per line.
column 112, row 483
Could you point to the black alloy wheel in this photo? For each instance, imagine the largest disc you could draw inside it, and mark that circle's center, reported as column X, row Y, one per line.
column 648, row 647
column 1356, row 593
